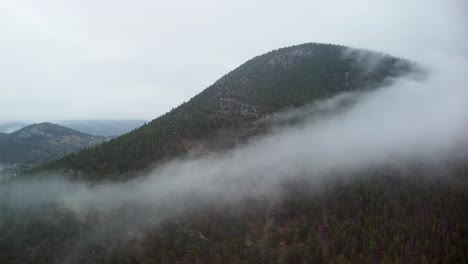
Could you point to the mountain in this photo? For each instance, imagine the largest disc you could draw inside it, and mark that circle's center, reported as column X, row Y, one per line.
column 287, row 77
column 97, row 127
column 40, row 143
column 388, row 214
column 103, row 127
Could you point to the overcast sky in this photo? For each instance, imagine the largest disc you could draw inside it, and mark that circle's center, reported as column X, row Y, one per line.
column 118, row 59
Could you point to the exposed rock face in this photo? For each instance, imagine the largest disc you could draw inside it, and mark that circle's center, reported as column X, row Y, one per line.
column 39, row 143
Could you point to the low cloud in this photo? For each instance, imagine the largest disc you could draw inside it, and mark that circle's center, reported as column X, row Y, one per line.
column 408, row 121
column 411, row 121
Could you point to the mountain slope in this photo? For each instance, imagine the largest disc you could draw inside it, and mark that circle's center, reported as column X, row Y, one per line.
column 378, row 215
column 39, row 143
column 282, row 78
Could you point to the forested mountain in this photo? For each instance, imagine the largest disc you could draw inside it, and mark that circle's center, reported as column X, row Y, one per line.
column 97, row 127
column 39, row 143
column 276, row 80
column 397, row 213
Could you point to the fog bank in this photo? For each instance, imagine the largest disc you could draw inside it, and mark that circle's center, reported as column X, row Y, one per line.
column 423, row 121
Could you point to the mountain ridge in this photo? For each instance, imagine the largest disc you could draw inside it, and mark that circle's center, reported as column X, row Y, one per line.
column 394, row 213
column 291, row 76
column 43, row 142
column 96, row 127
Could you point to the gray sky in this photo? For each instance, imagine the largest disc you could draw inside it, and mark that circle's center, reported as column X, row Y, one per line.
column 138, row 59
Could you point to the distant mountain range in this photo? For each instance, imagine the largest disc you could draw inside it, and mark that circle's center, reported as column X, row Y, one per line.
column 39, row 143
column 94, row 127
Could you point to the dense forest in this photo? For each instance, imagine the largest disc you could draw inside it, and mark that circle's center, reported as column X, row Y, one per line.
column 40, row 143
column 288, row 77
column 380, row 217
column 400, row 213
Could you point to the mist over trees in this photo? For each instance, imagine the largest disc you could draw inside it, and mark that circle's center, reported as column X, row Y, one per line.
column 226, row 140
column 322, row 164
column 288, row 77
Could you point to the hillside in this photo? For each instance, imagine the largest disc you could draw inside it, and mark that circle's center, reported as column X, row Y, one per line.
column 398, row 213
column 40, row 143
column 279, row 79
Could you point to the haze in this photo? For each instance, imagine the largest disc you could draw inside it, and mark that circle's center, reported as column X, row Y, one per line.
column 412, row 121
column 120, row 59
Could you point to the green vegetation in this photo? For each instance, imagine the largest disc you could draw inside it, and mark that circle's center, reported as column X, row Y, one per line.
column 44, row 142
column 282, row 78
column 385, row 219
column 380, row 218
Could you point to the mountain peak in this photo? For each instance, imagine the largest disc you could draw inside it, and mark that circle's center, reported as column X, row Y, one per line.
column 45, row 129
column 286, row 77
column 43, row 142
